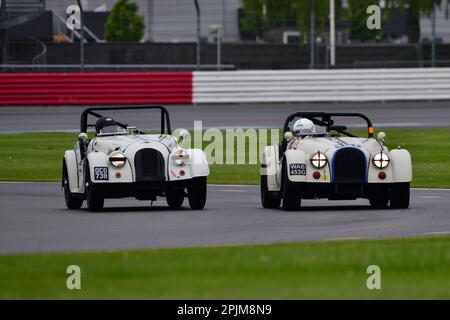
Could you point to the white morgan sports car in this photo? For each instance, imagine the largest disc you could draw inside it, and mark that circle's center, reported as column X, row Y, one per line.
column 326, row 161
column 121, row 161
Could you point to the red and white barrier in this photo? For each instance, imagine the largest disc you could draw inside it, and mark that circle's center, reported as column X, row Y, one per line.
column 208, row 87
column 95, row 88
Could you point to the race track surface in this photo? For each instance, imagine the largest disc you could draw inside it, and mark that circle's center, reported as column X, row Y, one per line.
column 33, row 218
column 423, row 114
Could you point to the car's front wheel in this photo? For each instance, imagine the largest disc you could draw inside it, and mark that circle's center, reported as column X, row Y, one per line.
column 94, row 199
column 175, row 197
column 71, row 201
column 269, row 200
column 197, row 190
column 400, row 195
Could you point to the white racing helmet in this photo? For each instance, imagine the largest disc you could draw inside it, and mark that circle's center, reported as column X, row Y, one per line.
column 303, row 127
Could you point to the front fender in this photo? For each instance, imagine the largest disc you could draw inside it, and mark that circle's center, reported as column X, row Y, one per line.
column 296, row 157
column 199, row 163
column 71, row 162
column 100, row 159
column 401, row 165
column 197, row 166
column 269, row 167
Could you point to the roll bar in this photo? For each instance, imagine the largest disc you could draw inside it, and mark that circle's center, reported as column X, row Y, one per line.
column 325, row 119
column 165, row 120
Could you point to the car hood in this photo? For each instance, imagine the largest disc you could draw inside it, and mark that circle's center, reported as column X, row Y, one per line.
column 127, row 143
column 329, row 145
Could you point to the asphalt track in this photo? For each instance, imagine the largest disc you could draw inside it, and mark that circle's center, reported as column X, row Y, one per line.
column 425, row 114
column 33, row 218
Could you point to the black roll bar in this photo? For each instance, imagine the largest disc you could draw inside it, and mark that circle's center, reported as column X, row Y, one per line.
column 326, row 119
column 165, row 120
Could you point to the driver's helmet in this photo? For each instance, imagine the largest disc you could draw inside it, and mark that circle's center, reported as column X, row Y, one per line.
column 303, row 127
column 106, row 125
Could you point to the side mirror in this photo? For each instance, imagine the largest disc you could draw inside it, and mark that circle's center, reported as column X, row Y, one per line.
column 183, row 135
column 381, row 136
column 288, row 136
column 83, row 137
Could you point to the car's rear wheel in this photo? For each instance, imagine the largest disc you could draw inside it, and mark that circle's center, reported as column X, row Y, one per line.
column 269, row 199
column 400, row 195
column 291, row 193
column 94, row 198
column 174, row 197
column 72, row 202
column 197, row 190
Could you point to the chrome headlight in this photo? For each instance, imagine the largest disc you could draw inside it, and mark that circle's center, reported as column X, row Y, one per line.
column 180, row 157
column 319, row 160
column 117, row 159
column 381, row 160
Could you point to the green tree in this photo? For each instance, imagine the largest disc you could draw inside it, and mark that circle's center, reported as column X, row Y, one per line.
column 262, row 14
column 124, row 24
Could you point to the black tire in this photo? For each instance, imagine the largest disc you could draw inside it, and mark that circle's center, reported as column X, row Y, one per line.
column 174, row 197
column 197, row 190
column 72, row 202
column 400, row 195
column 291, row 192
column 94, row 199
column 269, row 199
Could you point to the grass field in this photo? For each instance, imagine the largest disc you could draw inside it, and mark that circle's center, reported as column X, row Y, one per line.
column 38, row 157
column 410, row 269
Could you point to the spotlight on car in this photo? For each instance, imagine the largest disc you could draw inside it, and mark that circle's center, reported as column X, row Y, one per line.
column 117, row 159
column 180, row 157
column 319, row 160
column 381, row 160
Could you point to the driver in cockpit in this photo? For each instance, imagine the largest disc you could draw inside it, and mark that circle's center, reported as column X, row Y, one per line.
column 302, row 128
column 107, row 125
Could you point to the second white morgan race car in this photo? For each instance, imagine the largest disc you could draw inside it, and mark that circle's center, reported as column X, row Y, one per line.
column 318, row 159
column 121, row 161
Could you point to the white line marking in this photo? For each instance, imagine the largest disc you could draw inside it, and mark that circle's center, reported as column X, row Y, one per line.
column 428, row 197
column 346, row 238
column 436, row 233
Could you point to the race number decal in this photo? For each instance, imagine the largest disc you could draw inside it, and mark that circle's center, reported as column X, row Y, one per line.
column 100, row 173
column 297, row 169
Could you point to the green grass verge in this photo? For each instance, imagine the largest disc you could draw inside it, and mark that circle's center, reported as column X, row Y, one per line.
column 38, row 157
column 415, row 268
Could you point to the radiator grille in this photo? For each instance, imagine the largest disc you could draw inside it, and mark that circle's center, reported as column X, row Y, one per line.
column 349, row 165
column 149, row 164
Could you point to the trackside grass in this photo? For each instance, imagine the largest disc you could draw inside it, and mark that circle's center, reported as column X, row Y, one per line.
column 38, row 157
column 415, row 268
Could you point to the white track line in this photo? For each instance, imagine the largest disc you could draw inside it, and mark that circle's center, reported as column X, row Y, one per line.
column 436, row 233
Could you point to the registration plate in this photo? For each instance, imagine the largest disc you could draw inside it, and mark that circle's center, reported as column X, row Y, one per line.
column 297, row 169
column 101, row 173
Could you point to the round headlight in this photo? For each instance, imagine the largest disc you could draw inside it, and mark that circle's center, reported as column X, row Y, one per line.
column 319, row 160
column 180, row 157
column 381, row 160
column 117, row 159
